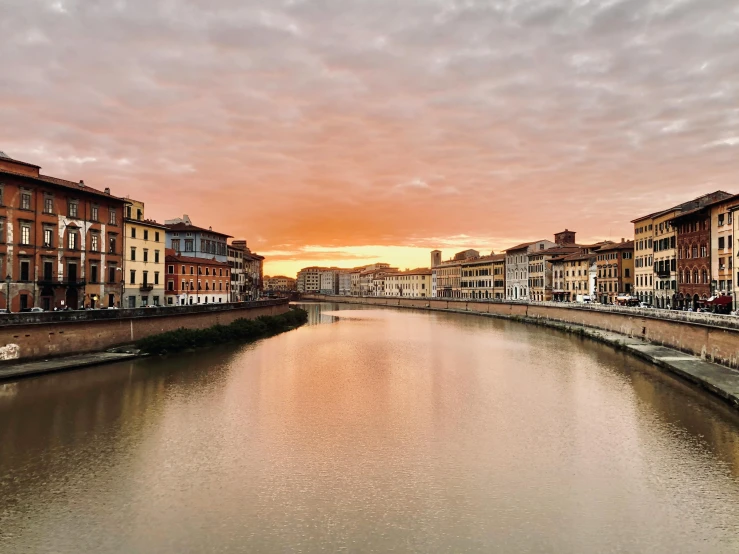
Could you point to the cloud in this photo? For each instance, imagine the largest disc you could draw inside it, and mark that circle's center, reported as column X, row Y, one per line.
column 331, row 121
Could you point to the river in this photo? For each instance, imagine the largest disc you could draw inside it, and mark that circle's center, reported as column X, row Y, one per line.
column 370, row 430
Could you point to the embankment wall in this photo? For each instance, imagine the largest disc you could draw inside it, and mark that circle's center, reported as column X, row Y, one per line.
column 712, row 342
column 44, row 339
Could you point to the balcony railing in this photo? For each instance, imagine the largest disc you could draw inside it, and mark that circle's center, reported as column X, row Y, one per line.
column 146, row 287
column 663, row 273
column 62, row 283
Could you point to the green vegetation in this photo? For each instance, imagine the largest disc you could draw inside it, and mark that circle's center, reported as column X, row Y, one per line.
column 244, row 330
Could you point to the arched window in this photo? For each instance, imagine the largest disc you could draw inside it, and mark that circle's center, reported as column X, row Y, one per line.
column 704, row 275
column 695, row 277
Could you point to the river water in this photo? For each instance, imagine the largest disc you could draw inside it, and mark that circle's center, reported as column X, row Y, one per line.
column 370, row 430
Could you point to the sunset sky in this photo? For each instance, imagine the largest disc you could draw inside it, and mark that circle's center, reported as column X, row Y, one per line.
column 343, row 132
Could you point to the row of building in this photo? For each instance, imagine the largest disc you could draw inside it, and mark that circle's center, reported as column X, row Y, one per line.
column 66, row 245
column 680, row 257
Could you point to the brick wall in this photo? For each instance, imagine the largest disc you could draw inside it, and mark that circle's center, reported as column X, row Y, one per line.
column 57, row 338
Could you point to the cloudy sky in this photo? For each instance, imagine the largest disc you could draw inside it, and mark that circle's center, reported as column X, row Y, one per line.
column 349, row 131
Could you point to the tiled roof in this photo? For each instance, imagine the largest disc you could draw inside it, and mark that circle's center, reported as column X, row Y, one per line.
column 192, row 260
column 62, row 183
column 626, row 245
column 419, row 271
column 195, row 228
column 520, row 246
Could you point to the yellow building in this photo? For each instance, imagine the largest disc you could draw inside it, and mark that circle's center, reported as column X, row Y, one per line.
column 644, row 256
column 722, row 246
column 579, row 276
column 415, row 283
column 143, row 260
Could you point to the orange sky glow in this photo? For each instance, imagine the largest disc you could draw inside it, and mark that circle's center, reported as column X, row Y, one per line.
column 348, row 132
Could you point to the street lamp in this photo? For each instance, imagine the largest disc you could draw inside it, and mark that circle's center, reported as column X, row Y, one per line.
column 7, row 297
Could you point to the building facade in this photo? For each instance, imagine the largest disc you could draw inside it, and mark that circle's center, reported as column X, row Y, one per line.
column 664, row 267
column 415, row 283
column 579, row 279
column 190, row 240
column 253, row 271
column 309, row 279
column 644, row 258
column 541, row 273
column 236, row 263
column 693, row 257
column 449, row 273
column 144, row 254
column 477, row 280
column 280, row 283
column 722, row 246
column 329, row 281
column 345, row 282
column 191, row 280
column 61, row 242
column 615, row 267
column 517, row 268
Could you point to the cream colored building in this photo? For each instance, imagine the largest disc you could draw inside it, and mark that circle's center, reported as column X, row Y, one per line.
column 415, row 283
column 279, row 283
column 143, row 261
column 579, row 276
column 477, row 279
column 448, row 274
column 735, row 248
column 722, row 246
column 644, row 256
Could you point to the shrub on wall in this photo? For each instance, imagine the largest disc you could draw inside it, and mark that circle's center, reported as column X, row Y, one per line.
column 244, row 330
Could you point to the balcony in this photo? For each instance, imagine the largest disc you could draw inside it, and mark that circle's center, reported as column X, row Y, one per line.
column 64, row 283
column 663, row 273
column 146, row 287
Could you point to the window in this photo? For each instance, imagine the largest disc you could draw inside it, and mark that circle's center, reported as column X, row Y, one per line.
column 112, row 217
column 93, row 274
column 128, row 212
column 156, row 277
column 146, row 278
column 170, row 285
column 156, row 236
column 189, row 245
column 170, row 269
column 146, row 254
column 48, row 204
column 25, row 233
column 95, row 242
column 721, row 241
column 720, row 220
column 25, row 200
column 48, row 271
column 25, row 270
column 156, row 301
column 156, row 256
column 133, row 277
column 111, row 245
column 73, row 240
column 72, row 208
column 176, row 245
column 146, row 234
column 133, row 232
column 133, row 253
column 94, row 213
column 111, row 273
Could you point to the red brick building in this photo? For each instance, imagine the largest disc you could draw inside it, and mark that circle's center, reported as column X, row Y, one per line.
column 60, row 241
column 693, row 256
column 191, row 280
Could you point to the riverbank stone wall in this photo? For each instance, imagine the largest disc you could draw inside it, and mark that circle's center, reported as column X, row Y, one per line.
column 47, row 339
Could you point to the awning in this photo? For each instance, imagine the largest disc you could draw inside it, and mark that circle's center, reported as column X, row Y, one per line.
column 719, row 300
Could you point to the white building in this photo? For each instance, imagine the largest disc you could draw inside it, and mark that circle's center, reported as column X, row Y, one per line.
column 309, row 279
column 329, row 281
column 415, row 283
column 517, row 268
column 345, row 283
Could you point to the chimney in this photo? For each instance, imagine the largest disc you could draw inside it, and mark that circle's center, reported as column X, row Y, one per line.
column 82, row 183
column 622, row 239
column 107, row 190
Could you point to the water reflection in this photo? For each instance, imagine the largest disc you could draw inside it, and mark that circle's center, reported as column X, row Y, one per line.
column 385, row 430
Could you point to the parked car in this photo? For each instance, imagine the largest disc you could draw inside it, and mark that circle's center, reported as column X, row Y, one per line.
column 3, row 311
column 37, row 309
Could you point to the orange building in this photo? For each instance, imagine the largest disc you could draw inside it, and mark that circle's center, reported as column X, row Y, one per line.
column 60, row 241
column 191, row 280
